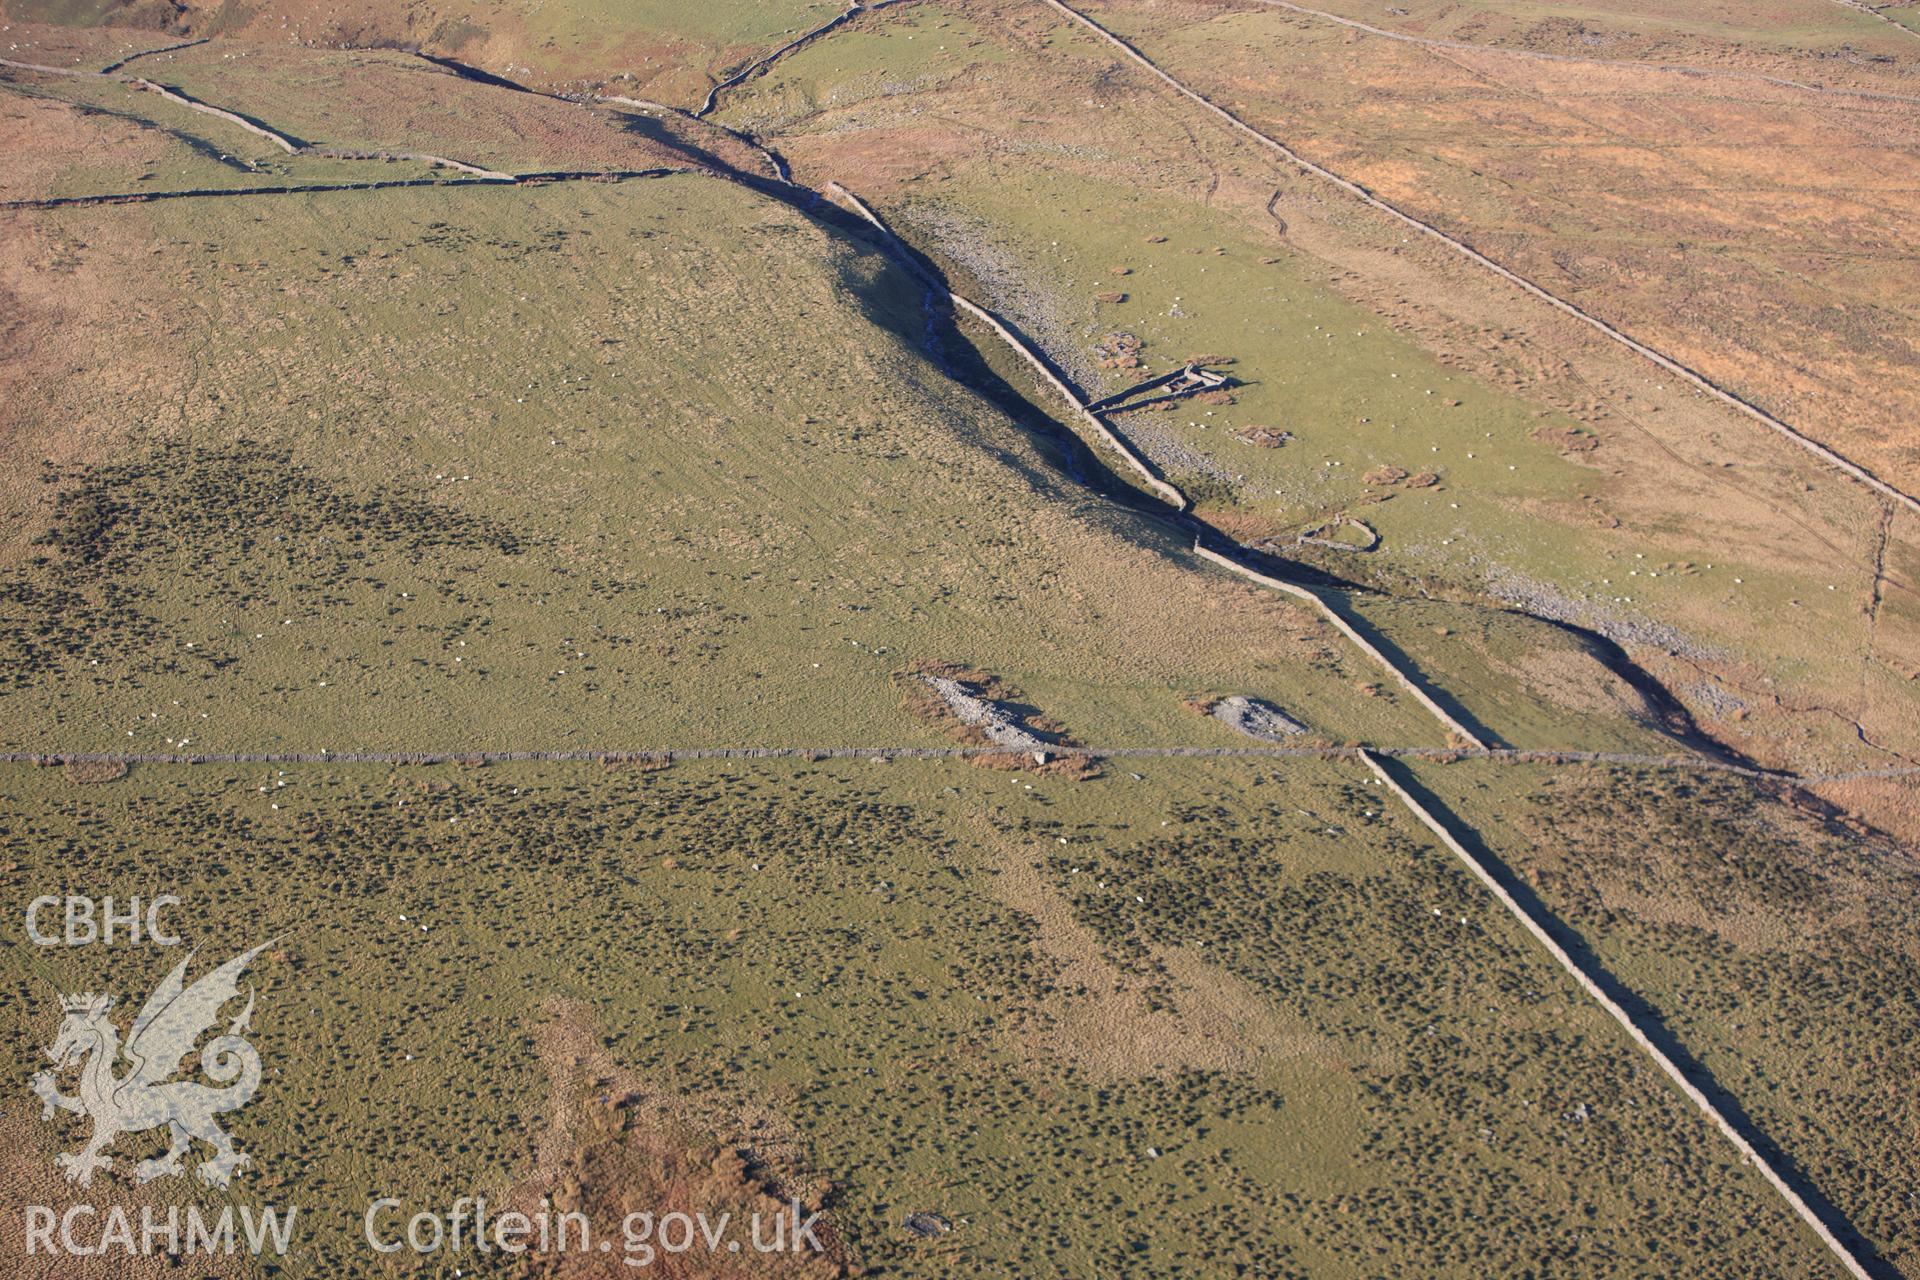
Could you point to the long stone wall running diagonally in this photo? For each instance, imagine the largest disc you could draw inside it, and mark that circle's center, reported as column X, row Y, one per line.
column 766, row 60
column 1588, row 984
column 118, row 63
column 1678, row 370
column 1138, row 464
column 853, row 10
column 1402, row 678
column 1093, row 421
column 1872, row 12
column 174, row 96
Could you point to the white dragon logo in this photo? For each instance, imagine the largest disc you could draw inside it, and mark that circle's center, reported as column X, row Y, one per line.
column 144, row 1097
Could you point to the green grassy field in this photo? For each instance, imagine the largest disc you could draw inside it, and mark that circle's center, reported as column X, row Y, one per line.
column 1219, row 1019
column 666, row 522
column 678, row 462
column 1512, row 511
column 1700, row 546
column 1357, row 396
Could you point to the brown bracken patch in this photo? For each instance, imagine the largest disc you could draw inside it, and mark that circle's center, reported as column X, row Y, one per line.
column 613, row 1146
